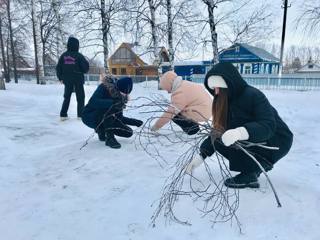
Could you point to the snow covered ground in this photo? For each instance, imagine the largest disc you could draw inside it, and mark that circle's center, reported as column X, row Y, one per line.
column 50, row 190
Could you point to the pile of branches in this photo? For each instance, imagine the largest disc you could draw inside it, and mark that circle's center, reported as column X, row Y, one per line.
column 217, row 202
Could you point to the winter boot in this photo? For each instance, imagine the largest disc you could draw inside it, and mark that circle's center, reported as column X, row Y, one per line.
column 101, row 134
column 111, row 141
column 267, row 167
column 62, row 119
column 243, row 180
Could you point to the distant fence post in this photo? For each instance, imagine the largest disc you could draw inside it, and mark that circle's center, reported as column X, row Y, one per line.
column 279, row 83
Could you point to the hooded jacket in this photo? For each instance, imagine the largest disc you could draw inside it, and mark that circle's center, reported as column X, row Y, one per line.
column 105, row 100
column 189, row 99
column 248, row 107
column 72, row 65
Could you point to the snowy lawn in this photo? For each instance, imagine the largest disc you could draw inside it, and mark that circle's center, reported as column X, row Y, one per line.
column 49, row 189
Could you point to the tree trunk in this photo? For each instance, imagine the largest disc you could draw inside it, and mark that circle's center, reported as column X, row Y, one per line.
column 42, row 63
column 170, row 34
column 35, row 42
column 2, row 83
column 3, row 55
column 12, row 44
column 8, row 59
column 59, row 34
column 154, row 32
column 105, row 31
column 214, row 35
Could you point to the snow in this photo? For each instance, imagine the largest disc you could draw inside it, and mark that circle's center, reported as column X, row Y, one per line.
column 50, row 189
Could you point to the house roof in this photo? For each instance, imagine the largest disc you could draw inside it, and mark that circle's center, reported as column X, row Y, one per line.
column 261, row 53
column 128, row 46
column 309, row 68
column 144, row 55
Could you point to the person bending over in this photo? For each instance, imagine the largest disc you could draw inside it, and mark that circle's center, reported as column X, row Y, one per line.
column 104, row 111
column 190, row 104
column 242, row 112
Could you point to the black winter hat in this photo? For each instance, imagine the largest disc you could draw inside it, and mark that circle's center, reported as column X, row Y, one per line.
column 73, row 44
column 124, row 85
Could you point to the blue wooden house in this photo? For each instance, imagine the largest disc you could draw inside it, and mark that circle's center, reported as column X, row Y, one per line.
column 250, row 60
column 188, row 68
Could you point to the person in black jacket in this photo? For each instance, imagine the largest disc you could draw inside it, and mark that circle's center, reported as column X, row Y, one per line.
column 242, row 112
column 70, row 71
column 104, row 111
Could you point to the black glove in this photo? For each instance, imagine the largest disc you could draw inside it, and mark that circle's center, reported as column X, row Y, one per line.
column 132, row 121
column 138, row 123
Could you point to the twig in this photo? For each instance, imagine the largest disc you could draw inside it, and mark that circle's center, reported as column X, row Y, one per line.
column 264, row 172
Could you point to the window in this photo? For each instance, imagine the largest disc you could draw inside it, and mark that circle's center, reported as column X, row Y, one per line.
column 237, row 66
column 123, row 71
column 237, row 49
column 247, row 69
column 114, row 71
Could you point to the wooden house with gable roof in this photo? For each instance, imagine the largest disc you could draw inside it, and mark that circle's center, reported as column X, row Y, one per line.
column 125, row 61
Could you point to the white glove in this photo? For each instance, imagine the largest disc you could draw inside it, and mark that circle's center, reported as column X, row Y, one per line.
column 154, row 131
column 195, row 162
column 233, row 135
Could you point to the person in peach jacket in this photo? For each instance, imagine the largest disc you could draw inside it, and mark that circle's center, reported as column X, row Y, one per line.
column 190, row 104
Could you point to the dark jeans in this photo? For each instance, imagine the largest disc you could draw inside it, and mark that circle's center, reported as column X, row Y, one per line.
column 114, row 125
column 188, row 126
column 238, row 160
column 68, row 89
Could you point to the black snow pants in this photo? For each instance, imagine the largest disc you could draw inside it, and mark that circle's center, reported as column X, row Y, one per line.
column 69, row 87
column 239, row 161
column 188, row 126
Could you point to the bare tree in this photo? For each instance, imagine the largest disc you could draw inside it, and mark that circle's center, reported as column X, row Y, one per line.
column 309, row 19
column 153, row 6
column 3, row 53
column 99, row 22
column 170, row 33
column 180, row 29
column 36, row 42
column 38, row 60
column 252, row 28
column 57, row 5
column 47, row 24
column 105, row 31
column 2, row 77
column 145, row 25
column 211, row 5
column 8, row 3
column 229, row 23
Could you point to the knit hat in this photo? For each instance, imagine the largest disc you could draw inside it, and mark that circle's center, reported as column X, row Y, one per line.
column 216, row 81
column 124, row 85
column 166, row 80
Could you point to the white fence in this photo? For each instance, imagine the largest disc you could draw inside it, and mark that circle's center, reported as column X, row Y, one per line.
column 286, row 82
column 290, row 82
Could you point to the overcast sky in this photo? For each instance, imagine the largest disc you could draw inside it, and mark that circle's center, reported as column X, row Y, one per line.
column 293, row 36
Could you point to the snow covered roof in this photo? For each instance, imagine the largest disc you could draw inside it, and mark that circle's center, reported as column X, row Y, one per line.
column 310, row 67
column 261, row 53
column 145, row 54
column 188, row 63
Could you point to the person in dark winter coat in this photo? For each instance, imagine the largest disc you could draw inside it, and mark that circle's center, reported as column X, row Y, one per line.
column 104, row 111
column 242, row 112
column 70, row 71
